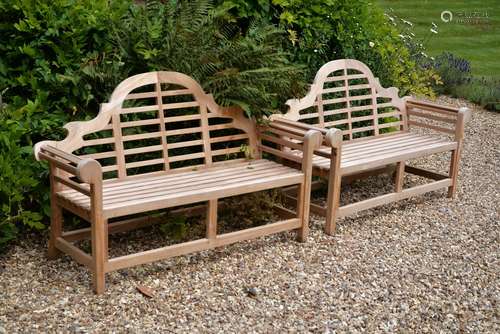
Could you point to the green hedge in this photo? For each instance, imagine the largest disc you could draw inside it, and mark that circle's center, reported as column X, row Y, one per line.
column 60, row 59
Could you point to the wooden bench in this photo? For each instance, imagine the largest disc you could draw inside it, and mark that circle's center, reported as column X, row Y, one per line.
column 161, row 142
column 366, row 129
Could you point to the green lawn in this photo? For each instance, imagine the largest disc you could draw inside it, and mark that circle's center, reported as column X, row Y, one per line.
column 478, row 43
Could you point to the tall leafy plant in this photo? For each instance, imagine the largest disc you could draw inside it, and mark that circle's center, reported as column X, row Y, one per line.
column 248, row 69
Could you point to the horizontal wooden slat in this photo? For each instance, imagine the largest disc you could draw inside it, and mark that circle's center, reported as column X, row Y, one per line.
column 182, row 144
column 139, row 109
column 180, row 105
column 58, row 163
column 81, row 188
column 182, row 118
column 139, row 123
column 145, row 163
column 183, row 157
column 432, row 127
column 281, row 141
column 388, row 198
column 145, row 149
column 385, row 105
column 77, row 254
column 433, row 117
column 110, row 168
column 225, row 151
column 61, row 154
column 140, row 136
column 98, row 141
column 228, row 138
column 99, row 155
column 345, row 77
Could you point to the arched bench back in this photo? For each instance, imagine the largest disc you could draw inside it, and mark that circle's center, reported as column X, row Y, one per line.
column 160, row 121
column 347, row 96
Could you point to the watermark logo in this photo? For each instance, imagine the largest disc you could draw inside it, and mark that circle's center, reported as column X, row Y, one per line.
column 473, row 17
column 446, row 16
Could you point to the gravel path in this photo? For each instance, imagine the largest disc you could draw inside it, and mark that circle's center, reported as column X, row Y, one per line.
column 427, row 264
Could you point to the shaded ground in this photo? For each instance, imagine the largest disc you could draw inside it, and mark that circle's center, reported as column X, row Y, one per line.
column 427, row 264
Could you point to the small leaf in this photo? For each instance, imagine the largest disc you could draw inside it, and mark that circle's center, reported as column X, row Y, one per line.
column 146, row 291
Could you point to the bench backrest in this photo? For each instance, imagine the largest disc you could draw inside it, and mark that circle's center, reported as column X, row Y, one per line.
column 160, row 121
column 347, row 96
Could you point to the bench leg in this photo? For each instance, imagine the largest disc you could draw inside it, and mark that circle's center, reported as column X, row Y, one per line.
column 56, row 222
column 212, row 219
column 303, row 197
column 99, row 252
column 399, row 176
column 332, row 203
column 333, row 197
column 455, row 159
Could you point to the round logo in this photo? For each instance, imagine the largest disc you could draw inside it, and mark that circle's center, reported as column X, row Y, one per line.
column 446, row 16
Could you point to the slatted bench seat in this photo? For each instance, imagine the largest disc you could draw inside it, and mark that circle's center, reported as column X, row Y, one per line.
column 159, row 192
column 161, row 142
column 364, row 155
column 366, row 128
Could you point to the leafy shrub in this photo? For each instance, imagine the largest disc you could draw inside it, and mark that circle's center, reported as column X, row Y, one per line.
column 249, row 70
column 63, row 58
column 320, row 31
column 17, row 179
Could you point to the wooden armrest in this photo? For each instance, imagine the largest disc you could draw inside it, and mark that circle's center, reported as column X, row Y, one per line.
column 431, row 106
column 331, row 137
column 87, row 170
column 289, row 138
column 459, row 116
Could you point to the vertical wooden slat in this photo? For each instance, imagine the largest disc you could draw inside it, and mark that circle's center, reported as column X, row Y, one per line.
column 120, row 156
column 374, row 111
column 399, row 176
column 348, row 100
column 321, row 114
column 161, row 116
column 212, row 219
column 205, row 134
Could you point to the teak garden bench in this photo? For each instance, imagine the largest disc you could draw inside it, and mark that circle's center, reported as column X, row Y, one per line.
column 161, row 142
column 369, row 130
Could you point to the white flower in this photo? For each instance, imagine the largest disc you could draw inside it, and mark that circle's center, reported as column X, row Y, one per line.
column 315, row 50
column 424, row 54
column 434, row 25
column 407, row 22
column 434, row 31
column 371, row 44
column 432, row 58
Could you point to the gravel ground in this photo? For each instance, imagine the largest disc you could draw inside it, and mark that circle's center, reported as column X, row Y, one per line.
column 427, row 264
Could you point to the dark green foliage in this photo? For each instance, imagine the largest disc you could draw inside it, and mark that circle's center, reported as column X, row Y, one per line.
column 60, row 59
column 249, row 70
column 63, row 59
column 324, row 30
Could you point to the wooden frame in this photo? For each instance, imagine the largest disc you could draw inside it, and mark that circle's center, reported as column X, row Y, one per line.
column 343, row 155
column 190, row 120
